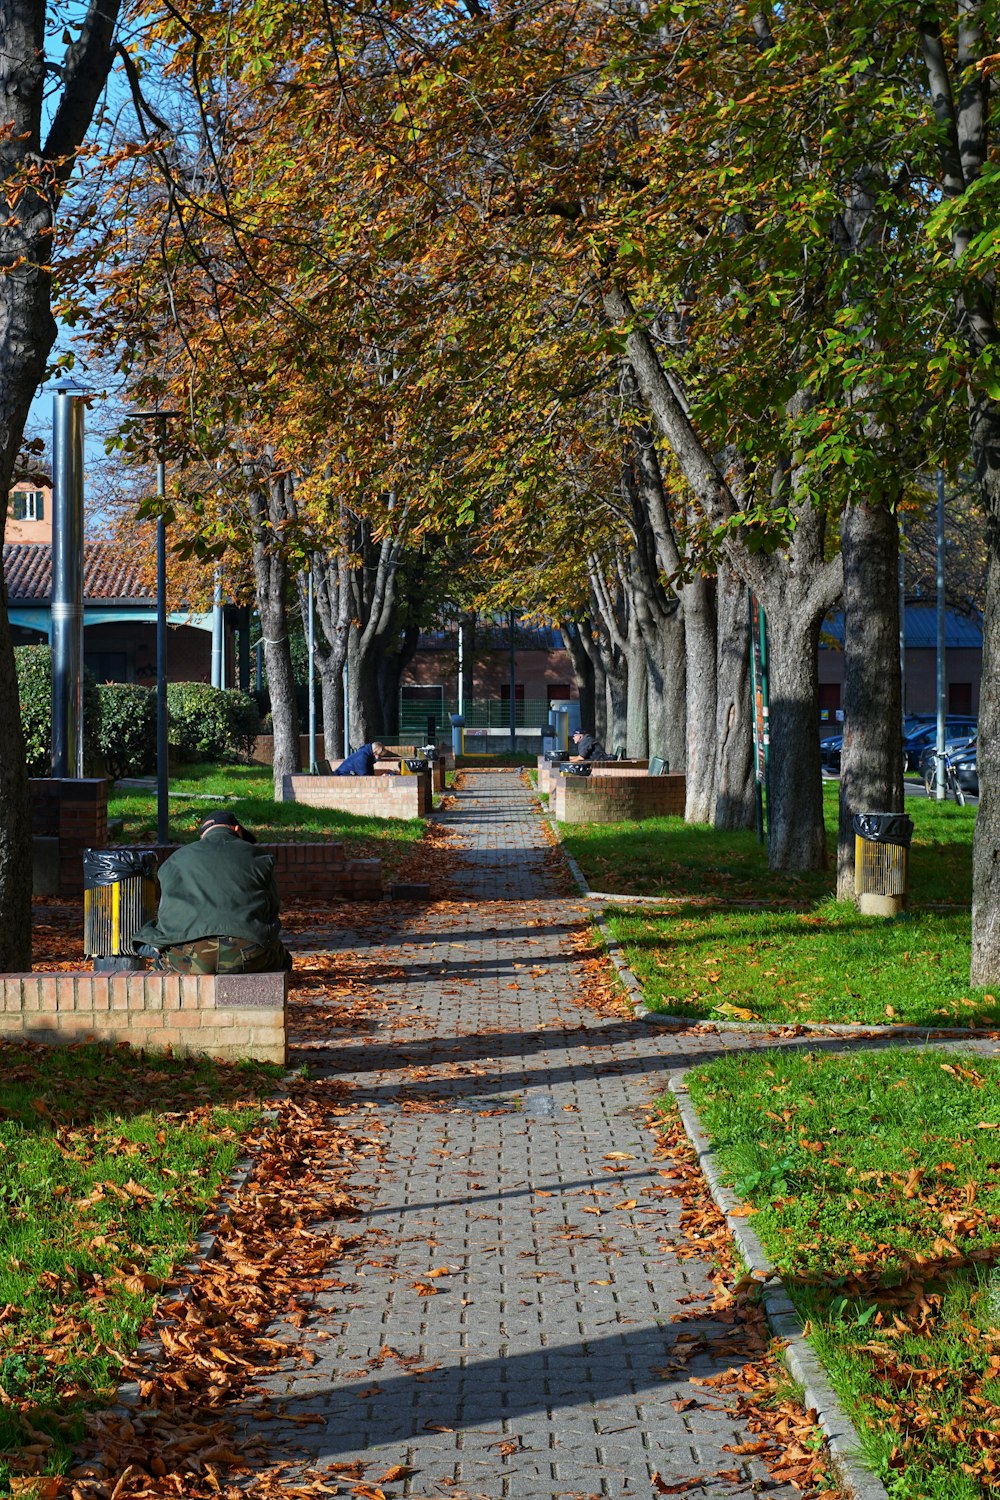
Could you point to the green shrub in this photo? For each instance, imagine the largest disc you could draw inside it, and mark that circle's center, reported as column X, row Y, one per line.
column 128, row 728
column 244, row 723
column 199, row 720
column 33, row 665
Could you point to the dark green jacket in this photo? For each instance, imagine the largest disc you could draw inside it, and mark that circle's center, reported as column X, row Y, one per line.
column 217, row 887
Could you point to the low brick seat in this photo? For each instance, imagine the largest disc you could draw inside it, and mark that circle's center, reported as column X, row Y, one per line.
column 379, row 796
column 225, row 1016
column 549, row 773
column 612, row 795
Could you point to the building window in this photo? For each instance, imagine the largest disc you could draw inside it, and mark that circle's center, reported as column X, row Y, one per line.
column 960, row 698
column 829, row 702
column 29, row 505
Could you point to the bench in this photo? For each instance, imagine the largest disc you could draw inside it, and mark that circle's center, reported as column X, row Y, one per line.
column 226, row 1016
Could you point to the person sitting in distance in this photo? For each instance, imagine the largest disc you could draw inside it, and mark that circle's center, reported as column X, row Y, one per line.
column 587, row 748
column 218, row 911
column 362, row 762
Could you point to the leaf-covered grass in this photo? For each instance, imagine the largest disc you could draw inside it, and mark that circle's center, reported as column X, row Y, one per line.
column 875, row 1184
column 827, row 964
column 248, row 792
column 668, row 857
column 109, row 1161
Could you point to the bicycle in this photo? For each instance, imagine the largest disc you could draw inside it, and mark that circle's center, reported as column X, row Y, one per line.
column 952, row 785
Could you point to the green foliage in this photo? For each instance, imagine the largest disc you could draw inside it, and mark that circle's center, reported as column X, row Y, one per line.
column 199, row 720
column 33, row 665
column 128, row 728
column 244, row 722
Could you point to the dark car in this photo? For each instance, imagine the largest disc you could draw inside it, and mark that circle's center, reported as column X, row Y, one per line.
column 914, row 744
column 966, row 769
column 829, row 753
column 955, row 748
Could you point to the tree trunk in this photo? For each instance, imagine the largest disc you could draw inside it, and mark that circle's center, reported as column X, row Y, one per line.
column 700, row 648
column 583, row 671
column 985, row 434
column 270, row 503
column 666, row 689
column 796, row 833
column 735, row 799
column 331, row 686
column 636, row 697
column 871, row 759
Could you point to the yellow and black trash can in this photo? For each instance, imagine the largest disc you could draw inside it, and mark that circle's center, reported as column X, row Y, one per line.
column 881, row 848
column 119, row 896
column 411, row 765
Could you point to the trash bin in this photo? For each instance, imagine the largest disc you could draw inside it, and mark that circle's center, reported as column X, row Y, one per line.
column 881, row 844
column 119, row 895
column 412, row 764
column 458, row 733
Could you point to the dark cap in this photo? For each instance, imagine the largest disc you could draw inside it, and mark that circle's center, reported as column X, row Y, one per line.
column 226, row 820
column 577, row 734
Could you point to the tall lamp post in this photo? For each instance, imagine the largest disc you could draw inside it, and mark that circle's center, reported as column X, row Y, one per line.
column 162, row 752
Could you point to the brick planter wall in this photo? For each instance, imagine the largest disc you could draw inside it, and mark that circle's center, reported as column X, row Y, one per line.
column 320, row 870
column 76, row 813
column 228, row 1016
column 548, row 775
column 618, row 798
column 366, row 796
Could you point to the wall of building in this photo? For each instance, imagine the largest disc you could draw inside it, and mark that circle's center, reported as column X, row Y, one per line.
column 535, row 671
column 962, row 679
column 30, row 531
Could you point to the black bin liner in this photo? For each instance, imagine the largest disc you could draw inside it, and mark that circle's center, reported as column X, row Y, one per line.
column 884, row 828
column 108, row 866
column 415, row 763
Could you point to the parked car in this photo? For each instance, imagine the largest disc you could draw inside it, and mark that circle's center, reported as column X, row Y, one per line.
column 955, row 748
column 829, row 753
column 914, row 744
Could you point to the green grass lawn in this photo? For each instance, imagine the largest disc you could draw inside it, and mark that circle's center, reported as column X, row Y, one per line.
column 826, row 964
column 249, row 792
column 668, row 857
column 875, row 1184
column 109, row 1161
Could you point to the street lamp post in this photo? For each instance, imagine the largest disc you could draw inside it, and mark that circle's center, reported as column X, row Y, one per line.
column 162, row 752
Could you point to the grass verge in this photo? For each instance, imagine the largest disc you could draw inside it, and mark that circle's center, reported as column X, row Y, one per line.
column 249, row 792
column 873, row 1181
column 109, row 1161
column 827, row 964
column 668, row 857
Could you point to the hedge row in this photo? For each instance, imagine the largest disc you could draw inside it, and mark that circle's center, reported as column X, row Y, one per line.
column 119, row 718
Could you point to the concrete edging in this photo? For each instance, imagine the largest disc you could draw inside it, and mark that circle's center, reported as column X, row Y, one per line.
column 803, row 1364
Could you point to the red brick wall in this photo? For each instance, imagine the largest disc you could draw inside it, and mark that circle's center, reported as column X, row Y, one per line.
column 319, row 869
column 618, row 799
column 366, row 796
column 548, row 774
column 228, row 1016
column 76, row 812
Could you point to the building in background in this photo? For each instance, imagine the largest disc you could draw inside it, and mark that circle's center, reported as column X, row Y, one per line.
column 963, row 663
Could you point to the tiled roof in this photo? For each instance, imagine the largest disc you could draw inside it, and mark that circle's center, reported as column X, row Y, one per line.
column 107, row 573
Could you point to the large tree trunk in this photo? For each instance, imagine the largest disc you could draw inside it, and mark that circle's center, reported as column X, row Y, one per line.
column 796, row 832
column 871, row 759
column 583, row 671
column 702, row 702
column 666, row 689
column 735, row 799
column 985, row 433
column 270, row 503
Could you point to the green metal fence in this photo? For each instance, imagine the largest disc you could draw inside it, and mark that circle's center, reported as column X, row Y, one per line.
column 480, row 713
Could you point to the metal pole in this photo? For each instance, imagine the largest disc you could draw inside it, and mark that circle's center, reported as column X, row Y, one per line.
column 217, row 672
column 461, row 668
column 67, row 580
column 312, row 676
column 162, row 748
column 939, row 781
column 513, row 688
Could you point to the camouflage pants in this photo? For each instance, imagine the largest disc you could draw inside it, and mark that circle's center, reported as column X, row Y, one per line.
column 224, row 955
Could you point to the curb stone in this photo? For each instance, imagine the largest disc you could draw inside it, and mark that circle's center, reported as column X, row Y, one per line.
column 642, row 1012
column 802, row 1363
column 205, row 1243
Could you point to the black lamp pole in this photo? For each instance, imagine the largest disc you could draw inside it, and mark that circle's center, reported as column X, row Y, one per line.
column 162, row 748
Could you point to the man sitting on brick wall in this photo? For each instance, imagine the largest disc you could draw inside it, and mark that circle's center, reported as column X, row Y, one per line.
column 587, row 748
column 362, row 762
column 218, row 911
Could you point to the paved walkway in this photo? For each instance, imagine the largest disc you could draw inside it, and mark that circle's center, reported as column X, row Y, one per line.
column 516, row 1322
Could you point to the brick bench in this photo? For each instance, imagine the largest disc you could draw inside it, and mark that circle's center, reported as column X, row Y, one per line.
column 225, row 1016
column 320, row 870
column 366, row 796
column 618, row 797
column 549, row 774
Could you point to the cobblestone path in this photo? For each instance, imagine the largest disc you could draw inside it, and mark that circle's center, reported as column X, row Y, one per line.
column 517, row 1182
